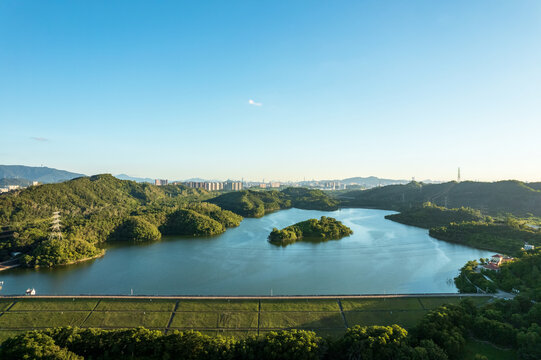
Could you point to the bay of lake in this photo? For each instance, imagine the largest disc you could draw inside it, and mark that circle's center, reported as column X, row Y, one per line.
column 380, row 257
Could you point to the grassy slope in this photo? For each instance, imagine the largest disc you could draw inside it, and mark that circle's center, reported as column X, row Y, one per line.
column 225, row 317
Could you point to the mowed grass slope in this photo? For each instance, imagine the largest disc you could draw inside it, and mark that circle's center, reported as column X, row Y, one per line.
column 229, row 317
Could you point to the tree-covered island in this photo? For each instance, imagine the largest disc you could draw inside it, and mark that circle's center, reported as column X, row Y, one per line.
column 326, row 228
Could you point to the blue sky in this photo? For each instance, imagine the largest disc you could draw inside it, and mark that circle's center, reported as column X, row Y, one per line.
column 273, row 89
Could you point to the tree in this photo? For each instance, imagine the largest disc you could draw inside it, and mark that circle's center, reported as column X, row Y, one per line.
column 35, row 345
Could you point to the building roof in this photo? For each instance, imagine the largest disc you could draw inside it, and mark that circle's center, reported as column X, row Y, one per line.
column 491, row 266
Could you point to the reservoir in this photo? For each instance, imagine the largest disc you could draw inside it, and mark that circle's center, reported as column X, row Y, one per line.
column 380, row 257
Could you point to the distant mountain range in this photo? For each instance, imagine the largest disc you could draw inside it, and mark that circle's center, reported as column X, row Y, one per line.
column 136, row 179
column 19, row 173
column 367, row 182
column 24, row 175
column 371, row 181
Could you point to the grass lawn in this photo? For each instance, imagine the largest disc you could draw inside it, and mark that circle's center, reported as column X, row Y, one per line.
column 151, row 319
column 406, row 319
column 300, row 305
column 218, row 305
column 213, row 320
column 307, row 320
column 434, row 302
column 227, row 317
column 55, row 304
column 4, row 304
column 381, row 304
column 137, row 304
column 4, row 334
column 41, row 319
column 474, row 347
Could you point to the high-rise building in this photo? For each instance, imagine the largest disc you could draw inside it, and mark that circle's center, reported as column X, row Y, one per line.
column 160, row 182
column 233, row 185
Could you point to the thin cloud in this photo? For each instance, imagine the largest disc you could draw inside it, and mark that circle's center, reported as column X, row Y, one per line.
column 36, row 138
column 251, row 102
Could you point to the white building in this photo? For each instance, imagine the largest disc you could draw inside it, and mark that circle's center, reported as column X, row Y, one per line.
column 528, row 247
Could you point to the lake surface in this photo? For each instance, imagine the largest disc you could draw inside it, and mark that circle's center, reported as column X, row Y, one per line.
column 380, row 257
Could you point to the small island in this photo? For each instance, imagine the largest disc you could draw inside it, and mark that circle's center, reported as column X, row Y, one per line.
column 326, row 228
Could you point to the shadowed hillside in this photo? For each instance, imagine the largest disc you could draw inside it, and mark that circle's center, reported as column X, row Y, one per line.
column 494, row 198
column 252, row 203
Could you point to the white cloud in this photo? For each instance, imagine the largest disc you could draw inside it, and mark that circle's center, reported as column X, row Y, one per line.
column 251, row 102
column 39, row 138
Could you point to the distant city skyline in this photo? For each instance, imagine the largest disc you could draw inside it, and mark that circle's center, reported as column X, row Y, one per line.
column 278, row 90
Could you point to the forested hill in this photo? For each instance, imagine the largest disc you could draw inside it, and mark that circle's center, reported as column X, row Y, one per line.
column 41, row 174
column 85, row 196
column 253, row 203
column 102, row 208
column 494, row 198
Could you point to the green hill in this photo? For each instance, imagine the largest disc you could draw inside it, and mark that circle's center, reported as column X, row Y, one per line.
column 101, row 208
column 253, row 203
column 505, row 237
column 494, row 198
column 430, row 215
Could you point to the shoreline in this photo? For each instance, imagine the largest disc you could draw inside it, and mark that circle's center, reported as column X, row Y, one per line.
column 244, row 297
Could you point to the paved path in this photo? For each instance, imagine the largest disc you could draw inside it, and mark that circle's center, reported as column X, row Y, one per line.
column 241, row 297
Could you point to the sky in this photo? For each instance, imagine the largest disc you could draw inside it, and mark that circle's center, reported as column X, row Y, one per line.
column 281, row 90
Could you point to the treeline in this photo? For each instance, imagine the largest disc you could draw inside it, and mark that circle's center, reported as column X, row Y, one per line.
column 470, row 227
column 470, row 280
column 506, row 237
column 430, row 215
column 512, row 323
column 326, row 228
column 254, row 203
column 522, row 275
column 102, row 208
column 496, row 198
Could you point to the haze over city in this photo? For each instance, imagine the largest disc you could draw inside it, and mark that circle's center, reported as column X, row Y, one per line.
column 273, row 90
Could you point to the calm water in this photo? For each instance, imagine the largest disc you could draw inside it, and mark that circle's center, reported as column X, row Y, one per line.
column 380, row 257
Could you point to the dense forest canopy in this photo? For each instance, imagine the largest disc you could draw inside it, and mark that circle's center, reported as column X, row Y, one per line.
column 98, row 209
column 469, row 227
column 253, row 203
column 509, row 323
column 429, row 215
column 495, row 198
column 326, row 228
column 507, row 237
